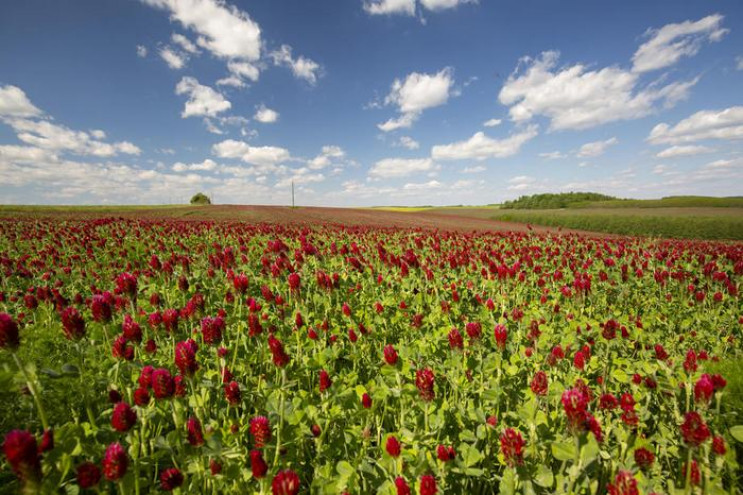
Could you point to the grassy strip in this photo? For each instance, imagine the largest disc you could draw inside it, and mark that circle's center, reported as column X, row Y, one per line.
column 689, row 227
column 669, row 202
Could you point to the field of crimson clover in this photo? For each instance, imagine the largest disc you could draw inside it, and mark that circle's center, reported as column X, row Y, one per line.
column 217, row 357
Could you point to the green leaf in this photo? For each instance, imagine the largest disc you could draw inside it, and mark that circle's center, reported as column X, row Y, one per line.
column 737, row 432
column 563, row 451
column 345, row 469
column 507, row 483
column 544, row 477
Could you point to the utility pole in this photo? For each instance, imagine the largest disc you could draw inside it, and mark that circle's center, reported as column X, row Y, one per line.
column 292, row 194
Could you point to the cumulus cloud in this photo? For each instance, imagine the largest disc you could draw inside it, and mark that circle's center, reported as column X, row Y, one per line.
column 266, row 115
column 687, row 150
column 172, row 58
column 386, row 7
column 670, row 43
column 184, row 43
column 481, row 147
column 575, row 97
column 553, row 155
column 492, row 122
column 15, row 103
column 439, row 5
column 141, row 51
column 202, row 100
column 705, row 124
column 301, row 67
column 224, row 30
column 416, row 93
column 255, row 155
column 596, row 148
column 400, row 167
column 329, row 156
column 474, row 170
column 205, row 166
column 244, row 70
column 407, row 142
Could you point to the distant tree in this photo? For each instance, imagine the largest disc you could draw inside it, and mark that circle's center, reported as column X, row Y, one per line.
column 200, row 199
column 549, row 201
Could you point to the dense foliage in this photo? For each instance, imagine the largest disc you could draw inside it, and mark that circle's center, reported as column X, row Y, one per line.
column 553, row 200
column 200, row 199
column 208, row 357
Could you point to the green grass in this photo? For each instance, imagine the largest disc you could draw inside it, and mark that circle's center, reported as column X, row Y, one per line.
column 699, row 223
column 669, row 202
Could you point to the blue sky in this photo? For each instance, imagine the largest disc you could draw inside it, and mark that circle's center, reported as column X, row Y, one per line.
column 367, row 102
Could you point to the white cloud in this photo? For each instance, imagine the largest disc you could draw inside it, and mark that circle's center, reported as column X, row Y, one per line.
column 184, row 43
column 224, row 30
column 422, row 186
column 400, row 167
column 492, row 122
column 205, row 166
column 330, row 155
column 233, row 81
column 173, row 58
column 255, row 155
column 302, row 68
column 404, row 121
column 266, row 115
column 482, row 147
column 521, row 182
column 418, row 92
column 596, row 148
column 386, row 7
column 244, row 70
column 302, row 175
column 739, row 63
column 553, row 155
column 474, row 170
column 577, row 98
column 15, row 103
column 407, row 142
column 705, row 124
column 668, row 44
column 141, row 51
column 439, row 5
column 688, row 150
column 202, row 100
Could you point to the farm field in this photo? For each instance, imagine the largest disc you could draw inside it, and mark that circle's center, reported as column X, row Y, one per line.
column 163, row 350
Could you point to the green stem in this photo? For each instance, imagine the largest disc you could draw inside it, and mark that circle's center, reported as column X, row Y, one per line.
column 34, row 393
column 281, row 418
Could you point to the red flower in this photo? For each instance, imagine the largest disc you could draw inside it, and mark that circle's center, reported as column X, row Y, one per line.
column 232, row 393
column 325, row 381
column 608, row 401
column 474, row 330
column 719, row 382
column 123, row 417
column 47, row 441
column 390, row 355
column 315, row 430
column 579, row 361
column 660, row 353
column 694, row 429
column 73, row 324
column 126, row 283
column 260, row 428
column 445, row 453
column 23, row 455
column 115, row 462
column 195, row 434
column 704, row 389
column 257, row 464
column 211, row 329
column 294, row 282
column 240, row 283
column 424, row 381
column 624, row 484
column 214, row 467
column 575, row 404
column 718, row 445
column 131, row 329
column 512, row 446
column 280, row 358
column 170, row 320
column 402, row 486
column 9, row 338
column 392, row 446
column 501, row 335
column 185, row 357
column 539, row 383
column 694, row 475
column 100, row 306
column 88, row 475
column 141, row 397
column 428, row 485
column 644, row 458
column 170, row 479
column 690, row 363
column 285, row 482
column 121, row 349
column 455, row 339
column 163, row 385
column 366, row 401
